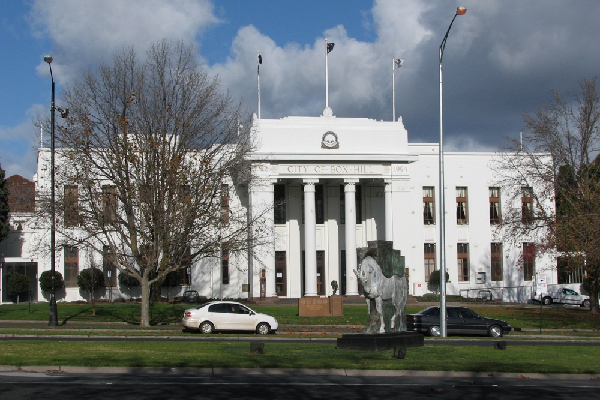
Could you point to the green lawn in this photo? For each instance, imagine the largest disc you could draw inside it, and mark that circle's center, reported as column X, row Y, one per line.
column 517, row 316
column 526, row 359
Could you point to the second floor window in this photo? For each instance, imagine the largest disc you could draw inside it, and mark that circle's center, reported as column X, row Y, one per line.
column 461, row 205
column 428, row 206
column 225, row 204
column 109, row 204
column 494, row 205
column 526, row 205
column 71, row 206
column 279, row 204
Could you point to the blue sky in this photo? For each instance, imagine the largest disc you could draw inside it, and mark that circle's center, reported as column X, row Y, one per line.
column 501, row 58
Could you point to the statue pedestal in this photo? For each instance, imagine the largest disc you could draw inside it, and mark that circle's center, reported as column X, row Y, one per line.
column 399, row 341
column 321, row 307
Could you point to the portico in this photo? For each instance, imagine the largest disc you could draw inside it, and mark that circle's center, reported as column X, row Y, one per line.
column 333, row 183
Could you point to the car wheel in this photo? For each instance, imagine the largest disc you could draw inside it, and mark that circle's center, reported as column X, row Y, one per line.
column 547, row 301
column 495, row 331
column 263, row 328
column 207, row 327
column 435, row 330
column 586, row 303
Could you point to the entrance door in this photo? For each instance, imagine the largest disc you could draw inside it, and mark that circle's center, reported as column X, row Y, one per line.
column 321, row 272
column 280, row 274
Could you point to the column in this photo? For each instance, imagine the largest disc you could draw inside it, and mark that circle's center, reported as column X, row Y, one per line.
column 261, row 213
column 389, row 220
column 350, row 215
column 310, row 238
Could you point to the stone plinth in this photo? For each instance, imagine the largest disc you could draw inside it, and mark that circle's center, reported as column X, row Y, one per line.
column 321, row 307
column 399, row 341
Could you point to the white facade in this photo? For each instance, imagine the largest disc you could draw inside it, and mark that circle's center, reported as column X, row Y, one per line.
column 319, row 173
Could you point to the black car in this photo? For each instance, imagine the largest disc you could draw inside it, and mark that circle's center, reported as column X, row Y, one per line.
column 459, row 321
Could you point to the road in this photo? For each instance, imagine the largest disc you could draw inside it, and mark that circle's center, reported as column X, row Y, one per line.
column 292, row 385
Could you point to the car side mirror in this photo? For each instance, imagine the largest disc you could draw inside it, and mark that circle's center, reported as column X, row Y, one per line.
column 252, row 313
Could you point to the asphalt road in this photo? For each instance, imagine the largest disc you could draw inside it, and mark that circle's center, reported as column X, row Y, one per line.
column 292, row 385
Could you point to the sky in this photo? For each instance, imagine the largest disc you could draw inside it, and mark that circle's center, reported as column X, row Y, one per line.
column 501, row 59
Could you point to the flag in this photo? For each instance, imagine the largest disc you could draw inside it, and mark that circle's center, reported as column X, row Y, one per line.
column 398, row 63
column 259, row 59
column 330, row 47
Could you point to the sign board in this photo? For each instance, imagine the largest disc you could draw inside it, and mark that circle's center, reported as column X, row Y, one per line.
column 245, row 288
column 541, row 285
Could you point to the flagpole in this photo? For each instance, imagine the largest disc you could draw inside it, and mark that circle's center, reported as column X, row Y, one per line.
column 326, row 76
column 393, row 89
column 258, row 62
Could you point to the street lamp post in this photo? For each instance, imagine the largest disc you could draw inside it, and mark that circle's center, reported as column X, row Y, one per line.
column 53, row 310
column 459, row 11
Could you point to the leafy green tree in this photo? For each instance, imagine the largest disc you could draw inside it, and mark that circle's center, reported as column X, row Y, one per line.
column 46, row 281
column 18, row 284
column 4, row 225
column 91, row 279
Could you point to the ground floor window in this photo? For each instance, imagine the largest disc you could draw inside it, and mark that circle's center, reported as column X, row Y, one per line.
column 71, row 266
column 429, row 259
column 462, row 250
column 320, row 272
column 496, row 264
column 280, row 273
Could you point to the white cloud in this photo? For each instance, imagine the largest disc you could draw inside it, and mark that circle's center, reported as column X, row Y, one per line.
column 85, row 33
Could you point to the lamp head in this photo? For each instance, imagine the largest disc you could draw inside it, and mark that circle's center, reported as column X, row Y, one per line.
column 48, row 59
column 461, row 11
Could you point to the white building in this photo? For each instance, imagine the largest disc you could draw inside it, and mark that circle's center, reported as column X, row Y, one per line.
column 335, row 184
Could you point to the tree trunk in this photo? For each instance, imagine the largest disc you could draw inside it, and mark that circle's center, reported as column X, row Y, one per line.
column 145, row 309
column 93, row 303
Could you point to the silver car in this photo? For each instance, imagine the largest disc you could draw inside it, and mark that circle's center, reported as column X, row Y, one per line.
column 227, row 316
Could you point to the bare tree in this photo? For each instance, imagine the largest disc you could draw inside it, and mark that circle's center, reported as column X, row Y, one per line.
column 558, row 182
column 147, row 158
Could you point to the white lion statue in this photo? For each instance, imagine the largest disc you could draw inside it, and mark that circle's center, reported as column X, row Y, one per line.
column 379, row 287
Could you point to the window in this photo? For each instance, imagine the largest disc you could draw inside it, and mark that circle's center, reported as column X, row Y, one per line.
column 496, row 264
column 462, row 250
column 357, row 204
column 225, row 264
column 279, row 204
column 429, row 260
column 461, row 205
column 186, row 271
column 428, row 206
column 71, row 206
column 71, row 266
column 109, row 204
column 526, row 205
column 528, row 261
column 494, row 205
column 108, row 267
column 225, row 204
column 280, row 272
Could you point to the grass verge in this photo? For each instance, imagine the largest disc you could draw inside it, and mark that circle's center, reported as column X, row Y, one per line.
column 516, row 359
column 517, row 316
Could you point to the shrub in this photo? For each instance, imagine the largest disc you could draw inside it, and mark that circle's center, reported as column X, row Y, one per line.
column 127, row 280
column 434, row 280
column 46, row 281
column 90, row 279
column 18, row 284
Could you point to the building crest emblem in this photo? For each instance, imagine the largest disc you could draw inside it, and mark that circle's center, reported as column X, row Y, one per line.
column 330, row 141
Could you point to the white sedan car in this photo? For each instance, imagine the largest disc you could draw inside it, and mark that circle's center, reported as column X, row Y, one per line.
column 227, row 316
